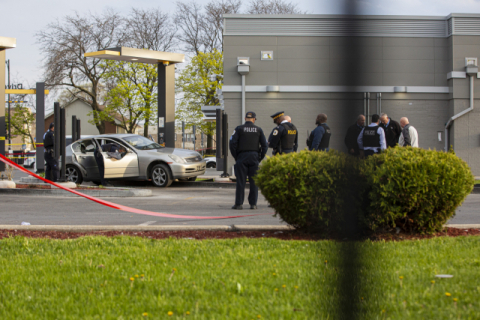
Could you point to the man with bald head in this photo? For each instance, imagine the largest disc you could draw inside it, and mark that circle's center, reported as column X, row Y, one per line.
column 409, row 135
column 352, row 135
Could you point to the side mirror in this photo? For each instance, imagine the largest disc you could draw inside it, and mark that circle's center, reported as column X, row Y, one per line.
column 129, row 150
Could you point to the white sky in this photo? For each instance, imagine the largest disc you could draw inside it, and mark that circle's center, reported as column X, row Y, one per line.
column 21, row 19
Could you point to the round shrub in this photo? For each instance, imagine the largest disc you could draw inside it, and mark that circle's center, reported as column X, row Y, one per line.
column 305, row 188
column 414, row 189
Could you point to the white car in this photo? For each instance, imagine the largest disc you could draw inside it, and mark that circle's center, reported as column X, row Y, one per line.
column 211, row 162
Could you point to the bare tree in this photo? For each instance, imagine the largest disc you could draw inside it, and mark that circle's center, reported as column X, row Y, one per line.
column 273, row 7
column 202, row 27
column 153, row 30
column 64, row 44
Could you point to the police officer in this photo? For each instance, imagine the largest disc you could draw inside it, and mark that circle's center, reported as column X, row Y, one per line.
column 371, row 139
column 284, row 137
column 319, row 139
column 97, row 153
column 51, row 168
column 248, row 146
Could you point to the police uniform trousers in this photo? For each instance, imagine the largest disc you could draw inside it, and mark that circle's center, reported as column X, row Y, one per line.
column 369, row 153
column 51, row 168
column 246, row 166
column 101, row 166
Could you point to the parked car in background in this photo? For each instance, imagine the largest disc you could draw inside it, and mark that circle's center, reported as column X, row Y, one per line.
column 29, row 160
column 211, row 162
column 143, row 159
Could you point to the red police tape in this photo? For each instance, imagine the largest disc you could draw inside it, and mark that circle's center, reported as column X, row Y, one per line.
column 119, row 206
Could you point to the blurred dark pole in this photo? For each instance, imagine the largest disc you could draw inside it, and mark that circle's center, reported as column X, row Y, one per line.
column 219, row 153
column 74, row 129
column 57, row 132
column 348, row 306
column 225, row 145
column 79, row 129
column 63, row 147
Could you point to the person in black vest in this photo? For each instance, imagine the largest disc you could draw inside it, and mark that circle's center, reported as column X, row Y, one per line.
column 319, row 139
column 371, row 139
column 284, row 137
column 392, row 130
column 97, row 152
column 51, row 168
column 352, row 135
column 248, row 146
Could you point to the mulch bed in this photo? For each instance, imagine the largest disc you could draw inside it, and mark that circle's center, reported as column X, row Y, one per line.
column 205, row 234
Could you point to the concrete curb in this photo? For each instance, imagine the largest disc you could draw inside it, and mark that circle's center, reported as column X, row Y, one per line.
column 107, row 192
column 463, row 226
column 87, row 228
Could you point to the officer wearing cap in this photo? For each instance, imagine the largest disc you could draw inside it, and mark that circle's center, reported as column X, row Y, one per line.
column 51, row 167
column 284, row 137
column 248, row 146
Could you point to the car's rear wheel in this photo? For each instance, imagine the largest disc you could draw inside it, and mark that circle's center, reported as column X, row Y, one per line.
column 161, row 176
column 211, row 165
column 74, row 175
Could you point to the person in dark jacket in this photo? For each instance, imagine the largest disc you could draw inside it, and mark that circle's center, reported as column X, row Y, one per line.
column 284, row 137
column 319, row 139
column 51, row 168
column 248, row 146
column 97, row 153
column 392, row 130
column 352, row 135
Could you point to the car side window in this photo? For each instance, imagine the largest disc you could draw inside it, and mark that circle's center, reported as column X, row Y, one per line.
column 83, row 146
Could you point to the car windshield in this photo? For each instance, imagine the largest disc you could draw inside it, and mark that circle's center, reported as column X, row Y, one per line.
column 142, row 143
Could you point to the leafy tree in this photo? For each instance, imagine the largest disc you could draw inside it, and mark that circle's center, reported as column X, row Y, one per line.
column 21, row 120
column 130, row 97
column 199, row 90
column 64, row 43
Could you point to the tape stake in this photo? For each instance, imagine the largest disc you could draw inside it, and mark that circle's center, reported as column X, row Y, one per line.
column 122, row 207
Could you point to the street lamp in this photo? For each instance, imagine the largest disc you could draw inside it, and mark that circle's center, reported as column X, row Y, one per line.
column 243, row 68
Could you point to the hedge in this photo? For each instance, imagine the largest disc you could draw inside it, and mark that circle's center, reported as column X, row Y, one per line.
column 414, row 189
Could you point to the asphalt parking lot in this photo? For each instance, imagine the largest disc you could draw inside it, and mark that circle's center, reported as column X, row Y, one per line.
column 177, row 199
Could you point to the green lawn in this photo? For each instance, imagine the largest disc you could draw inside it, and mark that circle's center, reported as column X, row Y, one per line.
column 125, row 277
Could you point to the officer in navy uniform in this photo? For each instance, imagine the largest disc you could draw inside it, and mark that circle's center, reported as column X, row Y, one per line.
column 248, row 146
column 284, row 137
column 51, row 168
column 97, row 153
column 319, row 139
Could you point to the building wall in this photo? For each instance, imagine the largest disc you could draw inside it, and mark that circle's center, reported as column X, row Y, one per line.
column 341, row 61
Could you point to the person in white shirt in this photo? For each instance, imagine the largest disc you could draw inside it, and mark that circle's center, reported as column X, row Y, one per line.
column 371, row 139
column 409, row 135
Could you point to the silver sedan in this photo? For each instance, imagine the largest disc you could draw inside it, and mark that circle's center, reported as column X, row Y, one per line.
column 143, row 159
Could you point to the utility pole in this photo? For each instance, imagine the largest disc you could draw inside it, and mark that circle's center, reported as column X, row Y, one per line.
column 7, row 62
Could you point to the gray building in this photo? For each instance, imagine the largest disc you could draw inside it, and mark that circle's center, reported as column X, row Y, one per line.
column 408, row 66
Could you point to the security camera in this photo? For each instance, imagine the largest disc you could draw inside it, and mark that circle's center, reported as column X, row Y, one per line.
column 243, row 61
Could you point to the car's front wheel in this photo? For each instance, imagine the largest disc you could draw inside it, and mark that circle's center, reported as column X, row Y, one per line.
column 161, row 176
column 74, row 175
column 211, row 165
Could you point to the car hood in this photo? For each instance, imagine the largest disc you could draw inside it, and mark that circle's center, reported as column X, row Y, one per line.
column 184, row 153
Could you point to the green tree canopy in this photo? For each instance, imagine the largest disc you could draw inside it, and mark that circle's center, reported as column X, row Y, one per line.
column 131, row 96
column 197, row 90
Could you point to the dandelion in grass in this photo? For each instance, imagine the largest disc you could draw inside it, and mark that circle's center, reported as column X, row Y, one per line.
column 142, row 275
column 174, row 269
column 296, row 287
column 448, row 294
column 170, row 313
column 259, row 316
column 401, row 277
column 132, row 278
column 274, row 274
column 276, row 289
column 145, row 314
column 187, row 313
column 136, row 276
column 284, row 286
column 433, row 281
column 455, row 299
